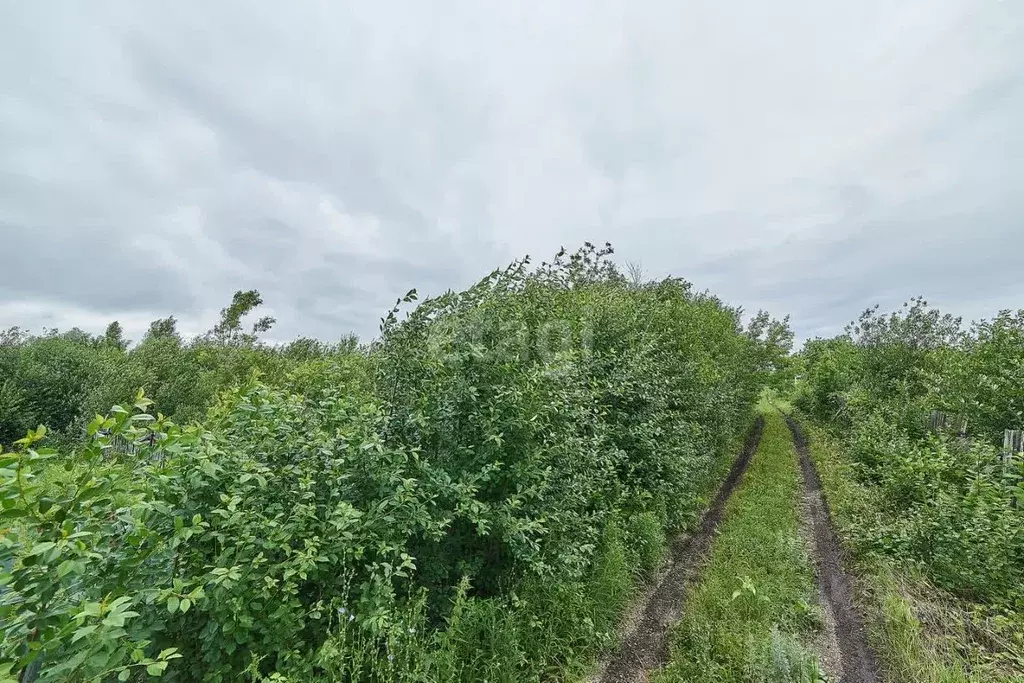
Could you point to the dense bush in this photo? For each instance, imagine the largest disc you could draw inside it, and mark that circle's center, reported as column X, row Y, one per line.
column 561, row 396
column 470, row 498
column 945, row 500
column 62, row 379
column 263, row 520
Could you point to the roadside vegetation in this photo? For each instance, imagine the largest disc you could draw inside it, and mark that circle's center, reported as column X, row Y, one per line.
column 923, row 633
column 910, row 410
column 473, row 496
column 62, row 379
column 479, row 493
column 754, row 615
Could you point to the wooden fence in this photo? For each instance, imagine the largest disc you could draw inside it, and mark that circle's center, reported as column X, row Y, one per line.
column 119, row 445
column 940, row 421
column 1013, row 441
column 1013, row 446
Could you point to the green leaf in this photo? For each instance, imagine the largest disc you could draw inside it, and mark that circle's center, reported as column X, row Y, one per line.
column 120, row 603
column 83, row 632
column 172, row 604
column 40, row 548
column 186, row 604
column 100, row 659
column 125, row 673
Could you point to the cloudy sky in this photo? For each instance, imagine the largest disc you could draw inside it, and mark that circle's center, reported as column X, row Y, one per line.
column 810, row 157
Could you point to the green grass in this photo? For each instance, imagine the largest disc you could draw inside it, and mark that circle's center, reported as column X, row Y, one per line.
column 754, row 612
column 922, row 634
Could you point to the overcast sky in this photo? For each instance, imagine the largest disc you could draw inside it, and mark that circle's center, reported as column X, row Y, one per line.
column 811, row 157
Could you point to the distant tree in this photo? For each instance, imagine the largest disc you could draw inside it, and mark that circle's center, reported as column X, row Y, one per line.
column 242, row 304
column 114, row 336
column 903, row 348
column 773, row 341
column 635, row 273
column 75, row 335
column 164, row 328
column 13, row 336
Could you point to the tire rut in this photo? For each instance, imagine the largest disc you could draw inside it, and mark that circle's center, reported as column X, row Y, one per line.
column 645, row 644
column 858, row 662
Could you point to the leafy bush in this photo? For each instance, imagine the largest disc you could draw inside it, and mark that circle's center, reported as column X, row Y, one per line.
column 472, row 493
column 62, row 379
column 945, row 500
column 945, row 506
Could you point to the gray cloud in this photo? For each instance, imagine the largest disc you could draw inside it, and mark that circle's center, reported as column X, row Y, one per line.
column 806, row 157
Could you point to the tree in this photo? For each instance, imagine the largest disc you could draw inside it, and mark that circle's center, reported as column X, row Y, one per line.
column 164, row 328
column 242, row 304
column 773, row 341
column 114, row 336
column 902, row 349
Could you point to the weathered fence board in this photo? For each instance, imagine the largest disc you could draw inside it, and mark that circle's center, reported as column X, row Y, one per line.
column 1013, row 446
column 941, row 421
column 119, row 445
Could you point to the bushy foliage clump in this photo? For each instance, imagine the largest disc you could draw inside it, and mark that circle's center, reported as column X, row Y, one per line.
column 470, row 497
column 63, row 379
column 946, row 499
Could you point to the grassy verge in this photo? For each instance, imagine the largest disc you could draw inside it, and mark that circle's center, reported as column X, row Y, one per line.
column 752, row 615
column 922, row 634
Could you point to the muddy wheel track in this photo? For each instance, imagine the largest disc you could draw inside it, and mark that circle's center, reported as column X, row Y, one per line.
column 858, row 662
column 645, row 645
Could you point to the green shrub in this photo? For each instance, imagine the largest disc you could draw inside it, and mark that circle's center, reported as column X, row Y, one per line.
column 945, row 501
column 492, row 473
